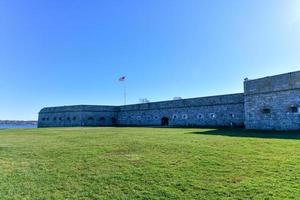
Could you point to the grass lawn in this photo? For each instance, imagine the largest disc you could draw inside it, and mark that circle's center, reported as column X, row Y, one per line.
column 148, row 163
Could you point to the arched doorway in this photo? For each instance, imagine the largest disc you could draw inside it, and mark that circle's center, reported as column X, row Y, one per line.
column 114, row 121
column 165, row 121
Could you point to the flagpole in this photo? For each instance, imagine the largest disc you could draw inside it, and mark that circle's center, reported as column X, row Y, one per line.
column 124, row 93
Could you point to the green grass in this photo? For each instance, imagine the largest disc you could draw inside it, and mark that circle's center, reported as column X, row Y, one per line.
column 148, row 163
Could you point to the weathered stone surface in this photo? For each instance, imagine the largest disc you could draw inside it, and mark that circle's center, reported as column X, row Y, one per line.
column 267, row 103
column 228, row 110
column 222, row 110
column 278, row 94
column 81, row 115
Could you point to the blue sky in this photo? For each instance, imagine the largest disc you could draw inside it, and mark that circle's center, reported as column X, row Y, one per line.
column 73, row 52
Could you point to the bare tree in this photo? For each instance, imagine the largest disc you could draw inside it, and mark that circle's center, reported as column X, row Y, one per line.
column 144, row 100
column 177, row 98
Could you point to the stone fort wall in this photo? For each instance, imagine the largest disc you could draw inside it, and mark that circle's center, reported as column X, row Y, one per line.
column 224, row 110
column 81, row 115
column 273, row 102
column 267, row 103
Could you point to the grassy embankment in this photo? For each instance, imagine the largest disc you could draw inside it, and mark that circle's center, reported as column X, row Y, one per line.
column 148, row 163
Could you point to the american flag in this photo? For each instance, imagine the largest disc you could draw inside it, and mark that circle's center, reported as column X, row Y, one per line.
column 122, row 78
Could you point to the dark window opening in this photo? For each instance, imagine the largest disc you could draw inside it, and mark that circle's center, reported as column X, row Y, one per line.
column 54, row 118
column 91, row 118
column 232, row 115
column 102, row 118
column 294, row 109
column 74, row 118
column 266, row 110
column 47, row 119
column 60, row 119
column 200, row 116
column 43, row 119
column 114, row 121
column 68, row 118
column 213, row 115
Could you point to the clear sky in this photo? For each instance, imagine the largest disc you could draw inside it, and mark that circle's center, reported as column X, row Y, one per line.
column 55, row 52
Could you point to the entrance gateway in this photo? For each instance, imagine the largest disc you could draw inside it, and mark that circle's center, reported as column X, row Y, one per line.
column 165, row 121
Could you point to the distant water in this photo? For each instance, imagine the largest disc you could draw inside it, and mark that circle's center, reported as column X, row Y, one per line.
column 5, row 126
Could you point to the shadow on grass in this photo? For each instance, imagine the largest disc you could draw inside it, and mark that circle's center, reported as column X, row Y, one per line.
column 250, row 133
